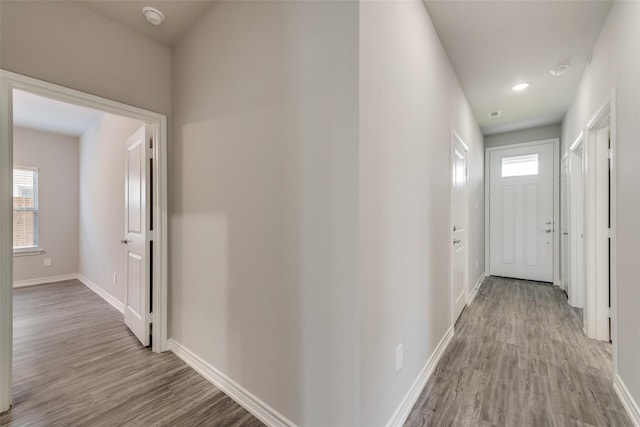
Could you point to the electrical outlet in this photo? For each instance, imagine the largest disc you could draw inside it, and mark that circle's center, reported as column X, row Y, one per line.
column 399, row 357
column 47, row 262
column 115, row 278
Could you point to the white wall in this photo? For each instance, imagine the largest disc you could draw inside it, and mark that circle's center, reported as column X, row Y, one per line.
column 56, row 157
column 409, row 101
column 101, row 207
column 616, row 63
column 525, row 135
column 64, row 43
column 264, row 218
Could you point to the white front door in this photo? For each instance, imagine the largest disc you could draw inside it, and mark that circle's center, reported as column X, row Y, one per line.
column 521, row 212
column 137, row 315
column 459, row 216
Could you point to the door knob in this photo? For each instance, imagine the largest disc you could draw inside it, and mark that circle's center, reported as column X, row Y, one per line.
column 125, row 241
column 456, row 241
column 548, row 230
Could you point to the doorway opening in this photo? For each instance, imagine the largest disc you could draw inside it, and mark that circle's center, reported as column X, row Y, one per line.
column 9, row 84
column 599, row 224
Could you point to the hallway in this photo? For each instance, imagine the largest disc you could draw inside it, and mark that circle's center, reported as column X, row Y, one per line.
column 519, row 358
column 76, row 363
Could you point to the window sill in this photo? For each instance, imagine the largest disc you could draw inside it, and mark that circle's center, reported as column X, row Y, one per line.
column 27, row 252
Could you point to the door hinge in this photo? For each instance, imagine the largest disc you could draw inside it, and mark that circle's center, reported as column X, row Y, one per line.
column 609, row 233
column 610, row 153
column 151, row 235
column 610, row 313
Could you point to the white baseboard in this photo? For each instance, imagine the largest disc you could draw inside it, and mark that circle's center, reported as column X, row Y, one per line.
column 43, row 280
column 243, row 397
column 102, row 293
column 402, row 412
column 474, row 291
column 630, row 405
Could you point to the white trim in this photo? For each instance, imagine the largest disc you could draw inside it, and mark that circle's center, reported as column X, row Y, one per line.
column 474, row 292
column 556, row 201
column 44, row 280
column 10, row 81
column 402, row 412
column 27, row 251
column 630, row 405
column 101, row 293
column 235, row 391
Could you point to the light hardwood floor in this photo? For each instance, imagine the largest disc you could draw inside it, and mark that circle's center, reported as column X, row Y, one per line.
column 519, row 358
column 76, row 364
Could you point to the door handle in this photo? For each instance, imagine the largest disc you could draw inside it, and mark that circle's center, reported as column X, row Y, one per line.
column 456, row 241
column 548, row 230
column 125, row 241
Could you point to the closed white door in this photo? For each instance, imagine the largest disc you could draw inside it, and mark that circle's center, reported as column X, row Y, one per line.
column 459, row 214
column 521, row 213
column 137, row 313
column 564, row 224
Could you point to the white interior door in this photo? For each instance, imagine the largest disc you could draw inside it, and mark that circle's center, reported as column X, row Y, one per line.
column 137, row 222
column 576, row 228
column 521, row 212
column 459, row 214
column 564, row 224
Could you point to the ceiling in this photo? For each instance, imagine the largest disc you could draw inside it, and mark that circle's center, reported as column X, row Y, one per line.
column 48, row 115
column 180, row 15
column 496, row 44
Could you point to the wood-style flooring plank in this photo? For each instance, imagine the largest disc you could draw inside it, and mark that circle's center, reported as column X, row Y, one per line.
column 77, row 364
column 519, row 357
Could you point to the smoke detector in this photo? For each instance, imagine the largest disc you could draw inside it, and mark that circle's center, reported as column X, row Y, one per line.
column 494, row 114
column 559, row 70
column 153, row 15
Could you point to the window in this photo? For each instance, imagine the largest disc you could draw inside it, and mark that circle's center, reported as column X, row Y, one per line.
column 520, row 165
column 25, row 208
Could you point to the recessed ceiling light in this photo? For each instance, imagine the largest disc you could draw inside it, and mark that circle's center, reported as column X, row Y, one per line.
column 520, row 86
column 153, row 15
column 559, row 70
column 494, row 114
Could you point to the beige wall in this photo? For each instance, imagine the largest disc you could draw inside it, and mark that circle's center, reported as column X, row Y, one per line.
column 64, row 43
column 616, row 63
column 101, row 218
column 264, row 219
column 526, row 135
column 410, row 100
column 56, row 157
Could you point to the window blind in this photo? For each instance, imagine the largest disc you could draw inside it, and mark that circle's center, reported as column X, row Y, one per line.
column 25, row 208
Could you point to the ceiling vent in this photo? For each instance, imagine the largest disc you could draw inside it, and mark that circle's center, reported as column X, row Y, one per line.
column 494, row 114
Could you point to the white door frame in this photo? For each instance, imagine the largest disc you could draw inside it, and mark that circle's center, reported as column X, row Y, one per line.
column 596, row 312
column 576, row 224
column 456, row 138
column 556, row 200
column 10, row 81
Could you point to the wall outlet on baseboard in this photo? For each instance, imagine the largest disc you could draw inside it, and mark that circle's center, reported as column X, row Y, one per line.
column 47, row 262
column 399, row 357
column 115, row 278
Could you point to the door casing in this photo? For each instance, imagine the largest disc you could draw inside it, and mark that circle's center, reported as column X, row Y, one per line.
column 10, row 81
column 599, row 260
column 556, row 200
